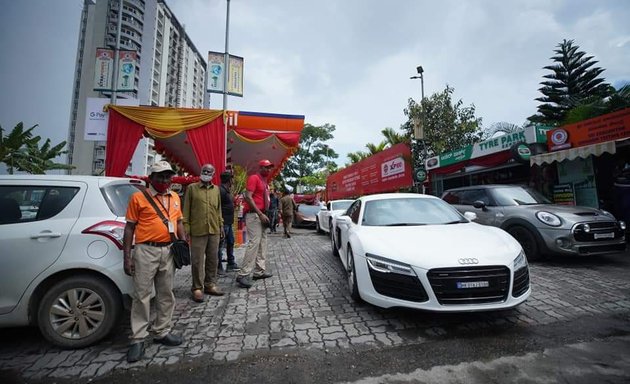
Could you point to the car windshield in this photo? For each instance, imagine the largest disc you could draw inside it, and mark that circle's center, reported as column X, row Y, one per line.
column 309, row 210
column 410, row 211
column 518, row 196
column 336, row 205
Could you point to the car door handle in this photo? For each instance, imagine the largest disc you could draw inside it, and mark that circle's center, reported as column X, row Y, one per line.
column 46, row 234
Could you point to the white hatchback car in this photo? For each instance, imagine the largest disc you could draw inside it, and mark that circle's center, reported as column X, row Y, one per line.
column 61, row 266
column 417, row 251
column 332, row 209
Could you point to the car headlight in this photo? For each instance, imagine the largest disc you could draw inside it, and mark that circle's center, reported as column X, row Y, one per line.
column 622, row 225
column 549, row 218
column 520, row 261
column 381, row 264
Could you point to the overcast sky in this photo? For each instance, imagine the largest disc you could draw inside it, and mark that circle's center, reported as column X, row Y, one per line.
column 343, row 62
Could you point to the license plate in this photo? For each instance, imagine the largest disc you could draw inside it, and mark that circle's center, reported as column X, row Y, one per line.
column 604, row 235
column 472, row 284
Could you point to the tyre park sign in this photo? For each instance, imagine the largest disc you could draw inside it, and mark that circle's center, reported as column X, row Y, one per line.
column 386, row 171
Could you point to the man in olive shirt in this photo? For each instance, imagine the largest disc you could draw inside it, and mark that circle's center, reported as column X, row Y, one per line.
column 204, row 225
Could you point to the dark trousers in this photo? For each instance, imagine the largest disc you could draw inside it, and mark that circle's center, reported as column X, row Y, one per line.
column 228, row 243
column 272, row 214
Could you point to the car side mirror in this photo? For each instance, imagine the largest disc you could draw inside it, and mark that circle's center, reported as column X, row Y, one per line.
column 479, row 205
column 471, row 216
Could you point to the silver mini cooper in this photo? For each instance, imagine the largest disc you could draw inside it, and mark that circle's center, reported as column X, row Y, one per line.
column 541, row 227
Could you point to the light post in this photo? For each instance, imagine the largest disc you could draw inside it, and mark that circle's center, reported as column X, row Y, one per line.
column 419, row 130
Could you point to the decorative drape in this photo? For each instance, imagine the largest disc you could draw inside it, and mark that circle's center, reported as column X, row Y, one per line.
column 122, row 139
column 208, row 144
column 127, row 125
column 161, row 122
column 288, row 140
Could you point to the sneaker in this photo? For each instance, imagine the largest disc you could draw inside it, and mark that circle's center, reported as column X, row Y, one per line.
column 135, row 352
column 244, row 281
column 233, row 267
column 263, row 275
column 170, row 340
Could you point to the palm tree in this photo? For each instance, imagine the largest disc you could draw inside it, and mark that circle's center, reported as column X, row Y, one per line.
column 42, row 158
column 392, row 137
column 503, row 128
column 572, row 81
column 13, row 147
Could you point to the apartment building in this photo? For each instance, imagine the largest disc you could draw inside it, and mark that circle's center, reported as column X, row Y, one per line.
column 169, row 72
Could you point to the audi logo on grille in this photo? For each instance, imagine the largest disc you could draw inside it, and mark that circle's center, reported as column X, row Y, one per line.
column 468, row 261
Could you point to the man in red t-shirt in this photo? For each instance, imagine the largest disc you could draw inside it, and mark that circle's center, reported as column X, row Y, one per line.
column 256, row 204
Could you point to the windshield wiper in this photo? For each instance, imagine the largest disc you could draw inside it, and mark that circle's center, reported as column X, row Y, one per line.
column 454, row 222
column 403, row 224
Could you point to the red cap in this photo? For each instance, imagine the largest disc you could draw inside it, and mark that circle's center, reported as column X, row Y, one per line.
column 265, row 163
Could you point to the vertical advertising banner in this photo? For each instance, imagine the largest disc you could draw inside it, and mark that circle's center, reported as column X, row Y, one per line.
column 216, row 68
column 126, row 70
column 103, row 69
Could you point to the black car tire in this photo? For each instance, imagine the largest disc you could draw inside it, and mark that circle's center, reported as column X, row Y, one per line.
column 60, row 303
column 333, row 245
column 317, row 227
column 353, row 287
column 527, row 240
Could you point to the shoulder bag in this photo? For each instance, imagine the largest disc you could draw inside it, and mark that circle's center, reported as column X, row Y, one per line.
column 180, row 248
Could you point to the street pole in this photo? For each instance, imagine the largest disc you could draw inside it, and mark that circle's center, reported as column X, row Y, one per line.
column 226, row 60
column 420, row 76
column 117, row 53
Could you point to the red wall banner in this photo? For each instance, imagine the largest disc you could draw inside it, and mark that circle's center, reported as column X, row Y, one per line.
column 386, row 171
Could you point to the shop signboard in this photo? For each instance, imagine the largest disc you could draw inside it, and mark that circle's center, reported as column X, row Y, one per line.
column 563, row 194
column 384, row 171
column 608, row 127
column 533, row 134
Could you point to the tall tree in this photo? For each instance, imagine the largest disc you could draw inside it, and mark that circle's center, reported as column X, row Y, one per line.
column 596, row 106
column 573, row 79
column 447, row 126
column 313, row 155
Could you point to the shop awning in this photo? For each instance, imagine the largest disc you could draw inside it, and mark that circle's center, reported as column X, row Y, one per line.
column 573, row 153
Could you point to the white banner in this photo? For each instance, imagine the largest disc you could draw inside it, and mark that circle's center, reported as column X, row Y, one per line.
column 216, row 74
column 103, row 69
column 96, row 120
column 126, row 70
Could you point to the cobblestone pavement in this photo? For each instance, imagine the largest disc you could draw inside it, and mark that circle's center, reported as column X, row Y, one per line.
column 305, row 305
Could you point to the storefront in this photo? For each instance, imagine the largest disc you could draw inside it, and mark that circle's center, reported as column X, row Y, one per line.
column 499, row 160
column 589, row 163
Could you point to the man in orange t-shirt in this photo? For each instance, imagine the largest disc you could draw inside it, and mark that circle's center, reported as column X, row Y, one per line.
column 151, row 263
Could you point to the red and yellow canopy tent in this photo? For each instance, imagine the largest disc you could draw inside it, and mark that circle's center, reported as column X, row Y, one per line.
column 193, row 137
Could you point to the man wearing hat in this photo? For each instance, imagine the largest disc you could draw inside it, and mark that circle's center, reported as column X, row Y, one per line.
column 150, row 263
column 227, row 211
column 256, row 204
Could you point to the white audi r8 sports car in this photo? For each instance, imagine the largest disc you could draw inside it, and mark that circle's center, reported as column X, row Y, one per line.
column 325, row 215
column 417, row 251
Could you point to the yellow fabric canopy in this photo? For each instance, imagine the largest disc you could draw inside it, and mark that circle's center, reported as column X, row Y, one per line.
column 161, row 122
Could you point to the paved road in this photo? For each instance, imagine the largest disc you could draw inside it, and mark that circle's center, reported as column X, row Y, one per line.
column 301, row 326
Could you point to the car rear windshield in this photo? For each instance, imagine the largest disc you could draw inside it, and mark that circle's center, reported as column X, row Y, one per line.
column 117, row 196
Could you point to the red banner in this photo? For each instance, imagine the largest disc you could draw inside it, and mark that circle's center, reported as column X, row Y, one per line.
column 386, row 171
column 608, row 127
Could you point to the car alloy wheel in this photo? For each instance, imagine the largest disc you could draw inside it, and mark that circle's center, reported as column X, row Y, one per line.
column 78, row 311
column 353, row 287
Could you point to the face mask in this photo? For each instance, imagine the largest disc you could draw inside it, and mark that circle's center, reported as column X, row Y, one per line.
column 205, row 178
column 160, row 187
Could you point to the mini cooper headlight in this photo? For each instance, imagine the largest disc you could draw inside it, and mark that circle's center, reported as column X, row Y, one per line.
column 622, row 225
column 383, row 265
column 549, row 218
column 520, row 261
